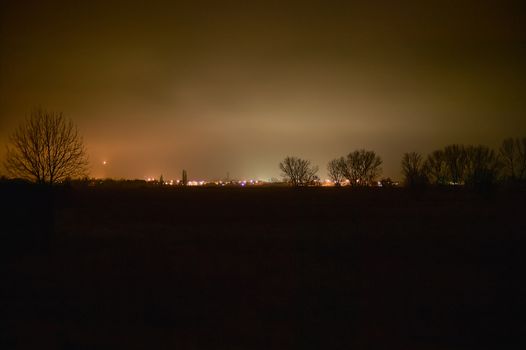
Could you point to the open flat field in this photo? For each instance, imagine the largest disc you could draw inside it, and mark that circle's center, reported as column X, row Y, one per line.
column 262, row 268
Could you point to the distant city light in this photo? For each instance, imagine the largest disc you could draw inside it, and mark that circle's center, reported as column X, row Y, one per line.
column 205, row 183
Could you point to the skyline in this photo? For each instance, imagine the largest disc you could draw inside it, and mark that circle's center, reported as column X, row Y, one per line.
column 235, row 88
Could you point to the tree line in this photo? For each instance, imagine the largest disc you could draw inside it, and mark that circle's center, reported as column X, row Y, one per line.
column 473, row 166
column 47, row 148
column 359, row 168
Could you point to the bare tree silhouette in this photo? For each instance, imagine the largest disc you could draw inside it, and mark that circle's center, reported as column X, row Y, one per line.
column 482, row 166
column 513, row 156
column 436, row 168
column 456, row 162
column 47, row 149
column 363, row 167
column 297, row 171
column 336, row 170
column 413, row 169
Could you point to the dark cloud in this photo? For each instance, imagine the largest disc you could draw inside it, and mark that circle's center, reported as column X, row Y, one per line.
column 235, row 85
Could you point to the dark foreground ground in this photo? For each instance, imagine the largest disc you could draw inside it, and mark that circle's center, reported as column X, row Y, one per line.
column 262, row 268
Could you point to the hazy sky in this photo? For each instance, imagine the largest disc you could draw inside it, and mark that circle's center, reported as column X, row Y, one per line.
column 235, row 86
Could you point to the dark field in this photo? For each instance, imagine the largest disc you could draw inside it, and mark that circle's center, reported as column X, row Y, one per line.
column 262, row 268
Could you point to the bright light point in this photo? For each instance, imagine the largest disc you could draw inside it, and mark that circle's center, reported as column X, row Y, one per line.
column 104, row 162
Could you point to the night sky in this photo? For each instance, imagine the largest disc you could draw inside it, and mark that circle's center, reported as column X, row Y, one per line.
column 235, row 86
